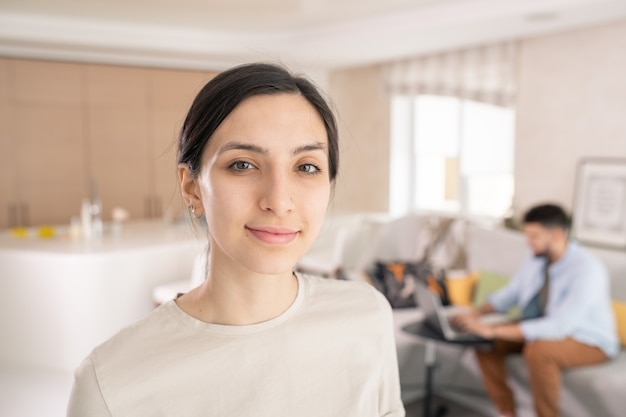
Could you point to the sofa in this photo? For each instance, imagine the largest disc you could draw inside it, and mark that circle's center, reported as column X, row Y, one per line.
column 594, row 391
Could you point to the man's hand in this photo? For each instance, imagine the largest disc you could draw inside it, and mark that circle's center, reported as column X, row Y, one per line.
column 475, row 326
column 460, row 321
column 470, row 323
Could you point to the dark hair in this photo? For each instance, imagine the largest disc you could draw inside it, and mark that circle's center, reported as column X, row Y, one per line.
column 549, row 216
column 219, row 97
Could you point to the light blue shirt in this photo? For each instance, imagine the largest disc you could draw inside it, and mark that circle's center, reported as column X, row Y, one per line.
column 579, row 300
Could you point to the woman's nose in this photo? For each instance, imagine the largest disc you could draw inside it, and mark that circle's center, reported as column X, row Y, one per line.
column 276, row 194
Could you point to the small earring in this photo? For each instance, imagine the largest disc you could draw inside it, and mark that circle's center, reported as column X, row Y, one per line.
column 193, row 212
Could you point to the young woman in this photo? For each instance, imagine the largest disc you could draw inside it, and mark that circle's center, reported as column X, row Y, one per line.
column 258, row 156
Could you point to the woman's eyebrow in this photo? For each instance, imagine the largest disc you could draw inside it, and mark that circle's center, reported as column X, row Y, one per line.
column 241, row 146
column 318, row 146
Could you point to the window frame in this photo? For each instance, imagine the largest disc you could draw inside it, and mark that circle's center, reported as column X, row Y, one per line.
column 407, row 155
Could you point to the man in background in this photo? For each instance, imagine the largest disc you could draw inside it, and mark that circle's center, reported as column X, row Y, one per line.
column 567, row 321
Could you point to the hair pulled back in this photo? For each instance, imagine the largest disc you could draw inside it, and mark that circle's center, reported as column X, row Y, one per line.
column 219, row 97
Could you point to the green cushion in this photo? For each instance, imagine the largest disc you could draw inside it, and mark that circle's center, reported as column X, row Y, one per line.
column 488, row 282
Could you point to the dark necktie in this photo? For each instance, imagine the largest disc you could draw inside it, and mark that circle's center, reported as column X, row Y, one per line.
column 544, row 290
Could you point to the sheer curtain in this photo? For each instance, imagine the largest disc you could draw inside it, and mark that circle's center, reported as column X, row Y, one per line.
column 486, row 74
column 452, row 138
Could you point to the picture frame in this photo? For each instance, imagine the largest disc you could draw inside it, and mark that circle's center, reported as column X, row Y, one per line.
column 599, row 214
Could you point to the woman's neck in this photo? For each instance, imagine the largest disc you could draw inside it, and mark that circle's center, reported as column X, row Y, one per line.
column 234, row 295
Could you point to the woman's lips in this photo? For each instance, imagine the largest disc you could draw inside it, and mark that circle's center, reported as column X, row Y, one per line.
column 273, row 235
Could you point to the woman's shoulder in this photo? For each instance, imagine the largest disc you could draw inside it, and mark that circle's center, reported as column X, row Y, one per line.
column 332, row 286
column 354, row 294
column 137, row 357
column 148, row 331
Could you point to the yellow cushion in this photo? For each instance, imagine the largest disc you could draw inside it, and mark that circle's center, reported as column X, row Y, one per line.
column 619, row 308
column 461, row 289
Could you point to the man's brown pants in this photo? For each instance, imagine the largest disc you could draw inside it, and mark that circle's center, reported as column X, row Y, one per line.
column 545, row 360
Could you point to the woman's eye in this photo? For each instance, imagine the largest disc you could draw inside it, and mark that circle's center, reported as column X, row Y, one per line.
column 241, row 166
column 309, row 168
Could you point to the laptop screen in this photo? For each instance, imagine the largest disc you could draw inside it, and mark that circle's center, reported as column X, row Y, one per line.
column 429, row 303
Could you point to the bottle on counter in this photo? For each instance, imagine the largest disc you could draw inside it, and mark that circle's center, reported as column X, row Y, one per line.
column 85, row 219
column 95, row 209
column 96, row 219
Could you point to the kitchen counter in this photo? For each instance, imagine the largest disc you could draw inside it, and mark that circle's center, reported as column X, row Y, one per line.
column 60, row 297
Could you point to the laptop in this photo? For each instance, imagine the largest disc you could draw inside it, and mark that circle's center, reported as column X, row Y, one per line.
column 437, row 317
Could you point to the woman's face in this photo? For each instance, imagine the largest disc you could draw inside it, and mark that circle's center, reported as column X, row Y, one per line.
column 264, row 183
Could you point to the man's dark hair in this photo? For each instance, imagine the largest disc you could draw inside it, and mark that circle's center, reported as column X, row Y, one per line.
column 549, row 216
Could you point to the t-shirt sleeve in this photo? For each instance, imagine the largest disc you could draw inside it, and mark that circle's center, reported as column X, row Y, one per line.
column 390, row 401
column 86, row 399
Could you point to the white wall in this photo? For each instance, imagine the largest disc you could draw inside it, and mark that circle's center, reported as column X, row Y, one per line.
column 362, row 108
column 571, row 104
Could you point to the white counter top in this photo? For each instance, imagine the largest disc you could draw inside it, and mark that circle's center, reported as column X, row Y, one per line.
column 59, row 297
column 135, row 235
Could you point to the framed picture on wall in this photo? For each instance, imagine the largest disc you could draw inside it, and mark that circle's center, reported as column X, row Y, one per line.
column 599, row 216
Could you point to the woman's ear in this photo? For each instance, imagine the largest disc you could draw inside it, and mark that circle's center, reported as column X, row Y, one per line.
column 190, row 189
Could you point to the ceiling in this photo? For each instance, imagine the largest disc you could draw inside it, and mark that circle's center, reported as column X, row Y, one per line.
column 308, row 34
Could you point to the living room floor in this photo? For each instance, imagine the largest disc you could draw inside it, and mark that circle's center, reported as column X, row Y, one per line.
column 30, row 393
column 452, row 410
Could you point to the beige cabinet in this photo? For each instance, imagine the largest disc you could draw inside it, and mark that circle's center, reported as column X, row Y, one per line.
column 44, row 141
column 63, row 125
column 117, row 136
column 8, row 177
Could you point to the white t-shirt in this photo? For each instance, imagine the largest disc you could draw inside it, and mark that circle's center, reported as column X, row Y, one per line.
column 331, row 353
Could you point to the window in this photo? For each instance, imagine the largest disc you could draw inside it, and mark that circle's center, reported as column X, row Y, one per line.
column 450, row 155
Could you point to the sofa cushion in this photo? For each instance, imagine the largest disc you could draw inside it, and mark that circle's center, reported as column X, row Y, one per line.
column 619, row 308
column 600, row 387
column 461, row 289
column 488, row 282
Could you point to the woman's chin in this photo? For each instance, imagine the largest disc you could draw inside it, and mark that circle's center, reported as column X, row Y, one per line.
column 272, row 269
column 272, row 261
